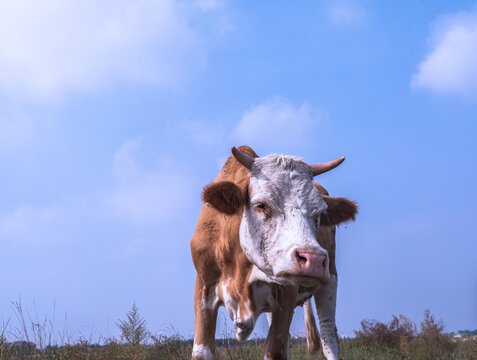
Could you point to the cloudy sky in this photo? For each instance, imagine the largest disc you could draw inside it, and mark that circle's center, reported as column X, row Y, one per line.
column 114, row 115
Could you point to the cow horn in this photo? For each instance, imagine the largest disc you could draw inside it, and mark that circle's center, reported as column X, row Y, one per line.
column 245, row 160
column 326, row 166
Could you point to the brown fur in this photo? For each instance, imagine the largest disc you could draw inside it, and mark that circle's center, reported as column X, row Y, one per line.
column 218, row 256
column 340, row 210
column 216, row 251
column 225, row 196
column 312, row 334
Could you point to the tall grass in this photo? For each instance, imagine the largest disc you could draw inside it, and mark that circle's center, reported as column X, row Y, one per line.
column 398, row 339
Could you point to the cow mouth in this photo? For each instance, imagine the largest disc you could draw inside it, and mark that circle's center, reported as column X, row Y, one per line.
column 300, row 279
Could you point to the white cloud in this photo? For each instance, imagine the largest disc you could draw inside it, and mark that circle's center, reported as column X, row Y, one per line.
column 347, row 14
column 276, row 123
column 51, row 47
column 151, row 194
column 30, row 224
column 147, row 194
column 451, row 65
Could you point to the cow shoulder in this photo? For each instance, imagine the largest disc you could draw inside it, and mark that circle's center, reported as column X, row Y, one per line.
column 215, row 245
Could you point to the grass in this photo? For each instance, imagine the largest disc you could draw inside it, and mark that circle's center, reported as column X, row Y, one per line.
column 172, row 349
column 399, row 339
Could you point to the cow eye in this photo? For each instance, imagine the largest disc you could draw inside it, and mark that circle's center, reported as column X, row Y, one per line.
column 259, row 206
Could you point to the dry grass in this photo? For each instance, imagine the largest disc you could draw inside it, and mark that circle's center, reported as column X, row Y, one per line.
column 401, row 340
column 172, row 349
column 398, row 339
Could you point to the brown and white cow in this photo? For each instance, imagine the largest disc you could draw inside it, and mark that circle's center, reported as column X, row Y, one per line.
column 259, row 247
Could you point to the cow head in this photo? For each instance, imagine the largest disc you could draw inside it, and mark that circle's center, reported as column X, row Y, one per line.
column 282, row 211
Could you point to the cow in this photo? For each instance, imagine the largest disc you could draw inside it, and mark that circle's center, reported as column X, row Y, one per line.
column 264, row 242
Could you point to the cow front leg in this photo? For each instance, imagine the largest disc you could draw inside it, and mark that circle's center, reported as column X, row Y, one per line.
column 278, row 338
column 325, row 299
column 205, row 307
column 312, row 333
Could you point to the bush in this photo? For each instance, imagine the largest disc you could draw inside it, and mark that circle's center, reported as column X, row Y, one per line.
column 401, row 337
column 432, row 343
column 378, row 334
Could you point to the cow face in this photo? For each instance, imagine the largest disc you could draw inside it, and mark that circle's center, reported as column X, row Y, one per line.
column 281, row 216
column 279, row 225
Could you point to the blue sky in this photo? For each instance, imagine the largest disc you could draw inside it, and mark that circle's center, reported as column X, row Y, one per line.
column 113, row 116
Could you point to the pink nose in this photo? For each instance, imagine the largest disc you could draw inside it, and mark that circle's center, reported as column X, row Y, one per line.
column 312, row 262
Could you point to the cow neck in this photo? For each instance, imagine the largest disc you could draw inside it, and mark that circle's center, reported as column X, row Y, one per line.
column 235, row 266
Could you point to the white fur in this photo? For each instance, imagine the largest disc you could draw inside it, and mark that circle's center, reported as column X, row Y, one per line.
column 211, row 301
column 269, row 318
column 284, row 184
column 244, row 322
column 229, row 303
column 202, row 352
column 262, row 293
column 325, row 299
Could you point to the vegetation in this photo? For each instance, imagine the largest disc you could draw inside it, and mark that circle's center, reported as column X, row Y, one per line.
column 399, row 339
column 134, row 328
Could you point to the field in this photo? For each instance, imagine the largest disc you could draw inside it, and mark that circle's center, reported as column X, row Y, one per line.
column 176, row 349
column 399, row 339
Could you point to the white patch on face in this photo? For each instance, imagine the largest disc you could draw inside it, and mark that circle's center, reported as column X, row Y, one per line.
column 202, row 352
column 269, row 239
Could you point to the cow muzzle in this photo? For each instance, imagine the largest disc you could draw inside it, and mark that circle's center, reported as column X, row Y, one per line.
column 311, row 262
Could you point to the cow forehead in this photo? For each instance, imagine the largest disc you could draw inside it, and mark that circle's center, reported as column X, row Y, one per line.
column 273, row 163
column 286, row 180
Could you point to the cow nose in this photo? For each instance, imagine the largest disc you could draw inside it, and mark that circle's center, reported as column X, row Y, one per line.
column 312, row 262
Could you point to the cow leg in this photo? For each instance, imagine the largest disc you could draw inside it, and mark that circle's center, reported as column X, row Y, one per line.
column 269, row 318
column 205, row 306
column 312, row 334
column 278, row 338
column 325, row 298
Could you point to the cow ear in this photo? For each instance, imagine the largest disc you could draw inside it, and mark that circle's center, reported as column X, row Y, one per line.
column 340, row 210
column 224, row 196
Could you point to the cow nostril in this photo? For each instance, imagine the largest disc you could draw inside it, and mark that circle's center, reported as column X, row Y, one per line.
column 323, row 264
column 301, row 259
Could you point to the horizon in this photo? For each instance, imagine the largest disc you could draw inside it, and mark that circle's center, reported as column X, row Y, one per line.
column 44, row 332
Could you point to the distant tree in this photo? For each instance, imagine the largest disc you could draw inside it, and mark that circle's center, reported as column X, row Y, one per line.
column 133, row 328
column 467, row 332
